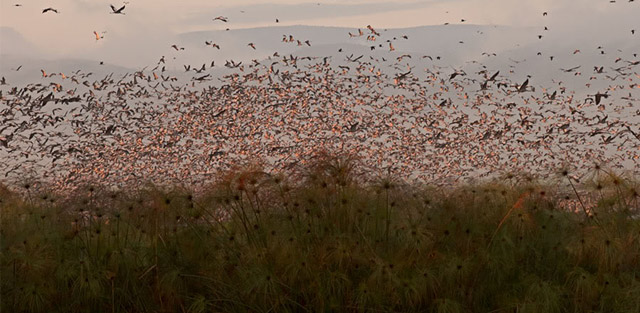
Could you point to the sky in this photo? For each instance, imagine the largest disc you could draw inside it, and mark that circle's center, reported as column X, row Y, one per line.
column 152, row 24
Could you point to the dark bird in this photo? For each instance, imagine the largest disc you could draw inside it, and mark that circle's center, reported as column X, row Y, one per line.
column 221, row 18
column 456, row 73
column 492, row 78
column 49, row 9
column 118, row 11
column 599, row 97
column 569, row 70
column 523, row 87
column 212, row 44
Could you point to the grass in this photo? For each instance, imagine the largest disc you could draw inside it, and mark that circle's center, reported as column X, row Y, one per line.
column 327, row 241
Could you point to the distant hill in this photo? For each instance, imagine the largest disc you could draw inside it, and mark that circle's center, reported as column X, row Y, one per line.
column 13, row 43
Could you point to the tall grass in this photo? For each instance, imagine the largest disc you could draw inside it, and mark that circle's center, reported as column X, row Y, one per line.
column 327, row 240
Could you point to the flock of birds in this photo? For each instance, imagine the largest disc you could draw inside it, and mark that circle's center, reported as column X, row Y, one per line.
column 113, row 9
column 419, row 120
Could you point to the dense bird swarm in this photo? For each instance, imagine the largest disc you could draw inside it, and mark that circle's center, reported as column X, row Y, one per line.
column 428, row 123
column 402, row 113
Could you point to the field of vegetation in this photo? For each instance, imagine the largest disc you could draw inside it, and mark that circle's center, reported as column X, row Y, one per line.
column 330, row 241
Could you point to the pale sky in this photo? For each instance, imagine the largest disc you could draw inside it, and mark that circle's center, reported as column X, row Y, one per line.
column 149, row 23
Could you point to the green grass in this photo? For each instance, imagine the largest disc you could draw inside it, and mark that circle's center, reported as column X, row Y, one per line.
column 327, row 242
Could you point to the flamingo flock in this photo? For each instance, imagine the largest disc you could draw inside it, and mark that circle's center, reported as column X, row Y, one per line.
column 417, row 120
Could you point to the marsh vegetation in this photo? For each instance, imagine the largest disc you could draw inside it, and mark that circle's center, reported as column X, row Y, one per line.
column 327, row 241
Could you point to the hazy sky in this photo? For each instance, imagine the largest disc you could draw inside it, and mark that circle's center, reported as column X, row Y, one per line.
column 150, row 23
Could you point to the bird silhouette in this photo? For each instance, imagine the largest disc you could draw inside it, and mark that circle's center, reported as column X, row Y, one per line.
column 221, row 18
column 117, row 11
column 524, row 85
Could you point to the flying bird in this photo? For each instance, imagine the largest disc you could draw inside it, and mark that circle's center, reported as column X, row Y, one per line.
column 118, row 11
column 212, row 44
column 373, row 31
column 98, row 37
column 599, row 97
column 49, row 9
column 569, row 70
column 221, row 18
column 523, row 87
column 493, row 78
